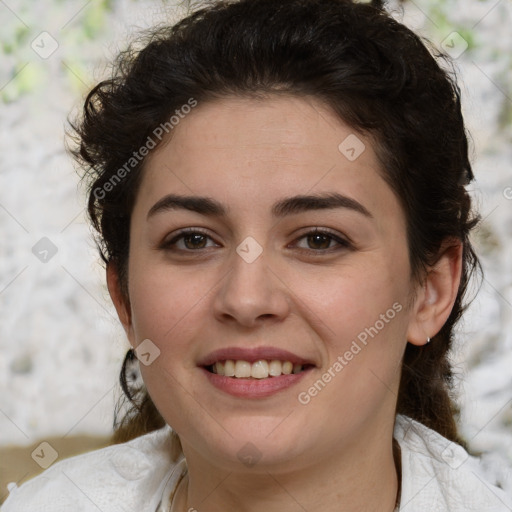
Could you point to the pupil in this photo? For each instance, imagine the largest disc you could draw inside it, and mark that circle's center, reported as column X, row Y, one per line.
column 325, row 245
column 194, row 238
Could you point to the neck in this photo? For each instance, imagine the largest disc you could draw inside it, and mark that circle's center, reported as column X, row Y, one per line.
column 360, row 478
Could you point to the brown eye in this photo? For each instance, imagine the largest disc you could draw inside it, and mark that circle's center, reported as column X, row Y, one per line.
column 187, row 240
column 196, row 241
column 320, row 241
column 317, row 241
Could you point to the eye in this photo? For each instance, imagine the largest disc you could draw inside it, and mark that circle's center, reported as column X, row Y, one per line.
column 320, row 240
column 194, row 239
column 189, row 239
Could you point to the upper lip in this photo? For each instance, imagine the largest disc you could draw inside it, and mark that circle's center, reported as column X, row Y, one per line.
column 252, row 355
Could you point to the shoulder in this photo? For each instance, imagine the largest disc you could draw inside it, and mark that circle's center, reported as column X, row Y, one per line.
column 107, row 479
column 440, row 475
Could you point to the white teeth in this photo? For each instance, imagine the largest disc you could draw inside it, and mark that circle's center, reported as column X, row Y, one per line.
column 274, row 368
column 219, row 368
column 261, row 369
column 229, row 368
column 242, row 369
column 287, row 367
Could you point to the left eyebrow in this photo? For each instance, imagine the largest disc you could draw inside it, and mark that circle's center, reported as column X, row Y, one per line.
column 298, row 204
column 288, row 206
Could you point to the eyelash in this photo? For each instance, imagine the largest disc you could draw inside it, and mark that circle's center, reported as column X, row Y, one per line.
column 343, row 243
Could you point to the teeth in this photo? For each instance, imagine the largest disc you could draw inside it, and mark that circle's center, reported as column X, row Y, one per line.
column 274, row 368
column 242, row 369
column 261, row 369
column 229, row 368
column 287, row 367
column 219, row 368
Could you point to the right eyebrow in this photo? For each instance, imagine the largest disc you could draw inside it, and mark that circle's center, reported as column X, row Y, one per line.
column 199, row 204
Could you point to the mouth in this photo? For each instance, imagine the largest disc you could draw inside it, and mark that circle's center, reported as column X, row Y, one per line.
column 255, row 372
column 259, row 369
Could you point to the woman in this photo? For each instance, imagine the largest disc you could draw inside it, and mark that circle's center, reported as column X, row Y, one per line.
column 279, row 192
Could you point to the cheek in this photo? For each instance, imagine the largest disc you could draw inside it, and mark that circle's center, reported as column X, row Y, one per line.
column 350, row 300
column 166, row 309
column 362, row 317
column 163, row 303
column 363, row 332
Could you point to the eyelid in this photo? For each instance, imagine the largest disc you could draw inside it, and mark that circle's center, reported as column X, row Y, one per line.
column 343, row 241
column 176, row 236
column 313, row 230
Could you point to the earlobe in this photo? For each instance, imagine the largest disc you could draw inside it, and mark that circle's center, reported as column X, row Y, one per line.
column 120, row 302
column 435, row 300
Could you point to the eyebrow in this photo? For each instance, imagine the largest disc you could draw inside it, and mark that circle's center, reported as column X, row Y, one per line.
column 288, row 206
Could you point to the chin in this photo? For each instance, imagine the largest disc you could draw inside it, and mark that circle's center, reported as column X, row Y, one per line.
column 255, row 448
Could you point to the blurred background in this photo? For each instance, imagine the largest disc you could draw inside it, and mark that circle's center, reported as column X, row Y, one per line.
column 61, row 347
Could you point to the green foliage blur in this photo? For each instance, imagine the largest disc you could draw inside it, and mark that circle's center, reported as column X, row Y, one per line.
column 21, row 70
column 87, row 27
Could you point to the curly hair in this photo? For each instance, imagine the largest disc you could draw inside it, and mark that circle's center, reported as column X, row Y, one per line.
column 373, row 72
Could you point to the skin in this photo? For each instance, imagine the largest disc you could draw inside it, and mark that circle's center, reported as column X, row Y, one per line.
column 334, row 453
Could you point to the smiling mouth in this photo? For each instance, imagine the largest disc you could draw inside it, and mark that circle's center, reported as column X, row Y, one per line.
column 261, row 369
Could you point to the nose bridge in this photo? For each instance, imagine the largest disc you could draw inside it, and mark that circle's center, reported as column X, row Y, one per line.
column 250, row 289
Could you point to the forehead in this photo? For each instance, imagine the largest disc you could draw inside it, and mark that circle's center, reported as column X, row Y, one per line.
column 297, row 129
column 252, row 151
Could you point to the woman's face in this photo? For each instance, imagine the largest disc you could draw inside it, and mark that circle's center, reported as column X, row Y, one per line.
column 252, row 282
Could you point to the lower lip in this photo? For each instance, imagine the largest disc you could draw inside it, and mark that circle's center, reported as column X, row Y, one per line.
column 254, row 388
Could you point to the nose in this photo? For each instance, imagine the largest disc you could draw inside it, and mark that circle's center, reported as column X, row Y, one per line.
column 251, row 293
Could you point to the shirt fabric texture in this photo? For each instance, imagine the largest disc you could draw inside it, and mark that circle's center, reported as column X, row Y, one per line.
column 139, row 476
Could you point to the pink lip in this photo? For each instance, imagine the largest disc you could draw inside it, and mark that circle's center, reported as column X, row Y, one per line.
column 253, row 388
column 251, row 355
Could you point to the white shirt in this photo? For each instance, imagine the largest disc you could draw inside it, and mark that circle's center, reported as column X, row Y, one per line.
column 139, row 476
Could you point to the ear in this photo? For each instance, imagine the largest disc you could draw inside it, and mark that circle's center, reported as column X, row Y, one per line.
column 121, row 302
column 434, row 301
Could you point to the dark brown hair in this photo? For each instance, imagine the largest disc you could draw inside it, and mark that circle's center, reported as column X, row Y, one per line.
column 372, row 71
